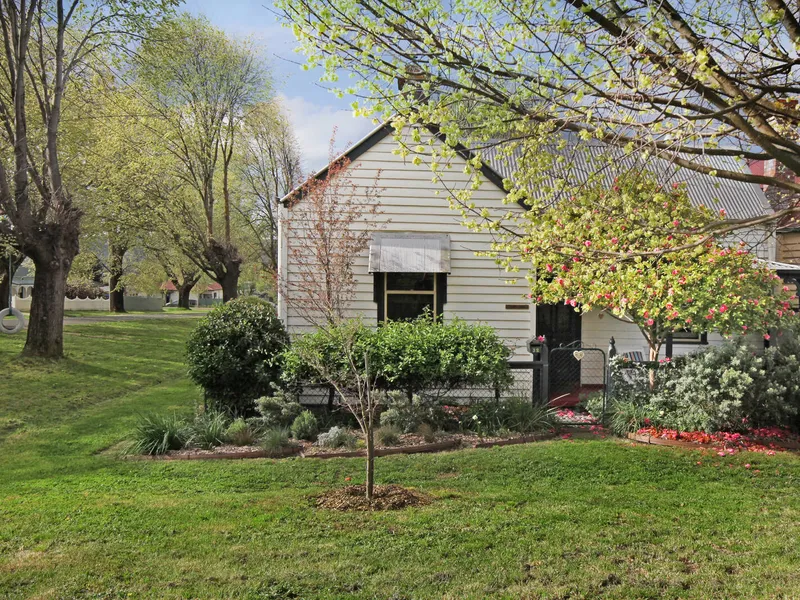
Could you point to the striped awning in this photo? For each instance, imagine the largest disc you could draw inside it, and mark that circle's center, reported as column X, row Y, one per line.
column 409, row 253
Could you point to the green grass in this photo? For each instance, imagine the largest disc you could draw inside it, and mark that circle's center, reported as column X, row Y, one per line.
column 577, row 519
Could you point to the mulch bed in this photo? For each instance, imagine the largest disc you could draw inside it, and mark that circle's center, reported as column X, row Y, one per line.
column 385, row 497
column 723, row 443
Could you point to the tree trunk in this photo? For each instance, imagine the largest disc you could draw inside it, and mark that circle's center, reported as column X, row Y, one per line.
column 370, row 462
column 184, row 296
column 230, row 282
column 46, row 325
column 654, row 350
column 117, row 291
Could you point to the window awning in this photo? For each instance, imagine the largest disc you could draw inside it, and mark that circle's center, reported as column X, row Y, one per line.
column 409, row 253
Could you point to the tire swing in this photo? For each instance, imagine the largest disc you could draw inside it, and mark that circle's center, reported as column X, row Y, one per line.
column 19, row 325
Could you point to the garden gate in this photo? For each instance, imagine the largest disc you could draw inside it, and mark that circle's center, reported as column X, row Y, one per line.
column 575, row 373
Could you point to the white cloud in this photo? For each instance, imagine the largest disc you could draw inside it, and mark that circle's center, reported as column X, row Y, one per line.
column 313, row 126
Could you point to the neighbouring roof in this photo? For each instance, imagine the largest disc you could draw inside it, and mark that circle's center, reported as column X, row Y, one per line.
column 740, row 200
column 782, row 268
column 22, row 276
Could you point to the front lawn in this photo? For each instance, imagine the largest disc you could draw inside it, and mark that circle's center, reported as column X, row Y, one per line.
column 559, row 519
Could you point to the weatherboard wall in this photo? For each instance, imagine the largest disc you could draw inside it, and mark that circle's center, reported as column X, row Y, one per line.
column 477, row 288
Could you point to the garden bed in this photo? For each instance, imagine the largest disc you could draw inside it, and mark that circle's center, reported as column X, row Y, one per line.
column 767, row 441
column 407, row 444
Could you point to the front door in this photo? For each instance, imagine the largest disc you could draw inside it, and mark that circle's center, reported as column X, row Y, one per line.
column 561, row 325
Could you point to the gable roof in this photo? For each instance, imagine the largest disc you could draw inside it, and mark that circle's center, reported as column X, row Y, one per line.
column 376, row 136
column 740, row 200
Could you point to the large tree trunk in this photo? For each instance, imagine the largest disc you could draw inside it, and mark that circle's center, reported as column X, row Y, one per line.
column 184, row 294
column 117, row 291
column 52, row 251
column 230, row 283
column 227, row 267
column 46, row 325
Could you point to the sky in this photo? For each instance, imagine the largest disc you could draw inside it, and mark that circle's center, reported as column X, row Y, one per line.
column 313, row 110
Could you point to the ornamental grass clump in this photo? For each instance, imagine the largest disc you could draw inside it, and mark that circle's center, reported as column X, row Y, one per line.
column 276, row 441
column 388, row 435
column 241, row 433
column 209, row 430
column 158, row 434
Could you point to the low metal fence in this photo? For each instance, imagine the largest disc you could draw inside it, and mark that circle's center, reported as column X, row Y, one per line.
column 523, row 386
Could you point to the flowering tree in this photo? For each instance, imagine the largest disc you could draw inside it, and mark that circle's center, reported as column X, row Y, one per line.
column 605, row 249
column 329, row 223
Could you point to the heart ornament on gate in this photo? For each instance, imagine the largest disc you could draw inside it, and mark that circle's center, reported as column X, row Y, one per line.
column 578, row 354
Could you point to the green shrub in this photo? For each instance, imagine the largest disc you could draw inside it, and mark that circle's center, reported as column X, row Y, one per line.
column 425, row 357
column 593, row 404
column 241, row 433
column 724, row 388
column 428, row 356
column 336, row 437
column 305, row 426
column 209, row 430
column 276, row 441
column 388, row 435
column 279, row 410
column 731, row 388
column 407, row 415
column 235, row 353
column 158, row 434
column 427, row 433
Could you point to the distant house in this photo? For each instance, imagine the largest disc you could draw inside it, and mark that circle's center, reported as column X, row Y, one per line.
column 788, row 230
column 424, row 258
column 22, row 283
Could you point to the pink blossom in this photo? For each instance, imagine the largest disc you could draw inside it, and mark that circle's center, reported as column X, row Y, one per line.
column 723, row 308
column 587, row 243
column 549, row 268
column 614, row 240
column 676, row 222
column 650, row 322
column 766, row 336
column 747, row 466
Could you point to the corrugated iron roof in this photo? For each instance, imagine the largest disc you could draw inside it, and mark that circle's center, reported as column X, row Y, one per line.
column 579, row 160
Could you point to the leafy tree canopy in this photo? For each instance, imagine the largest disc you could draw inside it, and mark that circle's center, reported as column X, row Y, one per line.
column 706, row 286
column 682, row 80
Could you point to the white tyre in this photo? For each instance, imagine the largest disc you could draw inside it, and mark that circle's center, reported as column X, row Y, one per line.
column 16, row 327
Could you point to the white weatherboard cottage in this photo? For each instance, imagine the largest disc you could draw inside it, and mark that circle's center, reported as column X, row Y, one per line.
column 423, row 256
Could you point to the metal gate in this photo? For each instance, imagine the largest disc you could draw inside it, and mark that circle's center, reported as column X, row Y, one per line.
column 575, row 373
